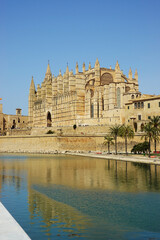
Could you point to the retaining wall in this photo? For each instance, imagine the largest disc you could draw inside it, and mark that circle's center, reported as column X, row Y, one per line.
column 50, row 143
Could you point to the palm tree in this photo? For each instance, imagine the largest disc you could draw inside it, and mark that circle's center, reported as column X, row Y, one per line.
column 155, row 122
column 108, row 142
column 126, row 132
column 149, row 132
column 114, row 131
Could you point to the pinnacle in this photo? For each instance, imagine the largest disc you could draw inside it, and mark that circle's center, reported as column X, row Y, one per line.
column 117, row 66
column 97, row 62
column 67, row 69
column 48, row 72
column 32, row 84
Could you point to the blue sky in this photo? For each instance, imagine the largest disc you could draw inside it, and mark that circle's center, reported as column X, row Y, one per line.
column 35, row 31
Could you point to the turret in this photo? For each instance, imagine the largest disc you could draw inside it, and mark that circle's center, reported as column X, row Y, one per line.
column 54, row 86
column 97, row 73
column 117, row 68
column 43, row 90
column 49, row 89
column 31, row 99
column 67, row 70
column 136, row 75
column 117, row 73
column 77, row 70
column 72, row 82
column 48, row 72
column 89, row 68
column 130, row 74
column 84, row 68
column 66, row 80
column 38, row 92
column 32, row 86
column 97, row 65
column 60, row 82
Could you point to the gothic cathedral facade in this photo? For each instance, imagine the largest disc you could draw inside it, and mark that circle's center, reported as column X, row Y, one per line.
column 94, row 96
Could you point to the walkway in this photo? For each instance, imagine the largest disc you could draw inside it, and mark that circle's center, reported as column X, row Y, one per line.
column 121, row 157
column 9, row 228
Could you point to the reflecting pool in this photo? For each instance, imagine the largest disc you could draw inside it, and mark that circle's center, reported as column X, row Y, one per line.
column 56, row 197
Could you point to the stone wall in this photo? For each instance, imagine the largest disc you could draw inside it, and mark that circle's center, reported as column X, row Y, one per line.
column 50, row 143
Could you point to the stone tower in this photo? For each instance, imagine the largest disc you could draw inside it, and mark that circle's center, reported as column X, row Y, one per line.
column 31, row 100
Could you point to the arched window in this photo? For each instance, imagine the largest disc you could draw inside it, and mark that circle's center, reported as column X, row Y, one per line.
column 135, row 105
column 132, row 96
column 142, row 104
column 106, row 79
column 92, row 110
column 49, row 120
column 118, row 98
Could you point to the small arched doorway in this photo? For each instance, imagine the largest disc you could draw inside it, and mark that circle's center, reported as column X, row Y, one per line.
column 49, row 120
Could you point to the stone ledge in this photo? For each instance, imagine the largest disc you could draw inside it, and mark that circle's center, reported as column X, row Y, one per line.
column 9, row 228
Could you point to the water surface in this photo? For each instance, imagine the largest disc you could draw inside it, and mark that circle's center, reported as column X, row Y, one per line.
column 68, row 197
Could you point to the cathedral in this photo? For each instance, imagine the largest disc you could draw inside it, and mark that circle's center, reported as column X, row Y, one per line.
column 93, row 96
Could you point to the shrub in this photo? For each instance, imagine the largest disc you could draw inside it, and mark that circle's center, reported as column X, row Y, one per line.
column 140, row 147
column 50, row 132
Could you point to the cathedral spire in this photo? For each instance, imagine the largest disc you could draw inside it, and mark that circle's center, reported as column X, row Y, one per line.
column 97, row 63
column 67, row 69
column 117, row 68
column 48, row 72
column 84, row 68
column 32, row 86
column 77, row 70
column 130, row 74
column 136, row 75
column 60, row 72
column 89, row 68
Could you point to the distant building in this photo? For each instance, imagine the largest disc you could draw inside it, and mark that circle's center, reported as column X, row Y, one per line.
column 10, row 122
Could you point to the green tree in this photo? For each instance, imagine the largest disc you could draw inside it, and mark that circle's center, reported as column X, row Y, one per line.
column 149, row 132
column 155, row 122
column 114, row 131
column 108, row 141
column 126, row 132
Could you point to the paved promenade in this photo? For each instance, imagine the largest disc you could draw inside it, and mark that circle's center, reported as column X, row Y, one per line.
column 9, row 228
column 120, row 157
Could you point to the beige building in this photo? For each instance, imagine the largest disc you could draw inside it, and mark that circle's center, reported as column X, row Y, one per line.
column 93, row 96
column 140, row 110
column 12, row 122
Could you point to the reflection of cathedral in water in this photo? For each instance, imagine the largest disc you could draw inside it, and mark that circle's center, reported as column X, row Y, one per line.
column 55, row 213
column 82, row 173
column 86, row 173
